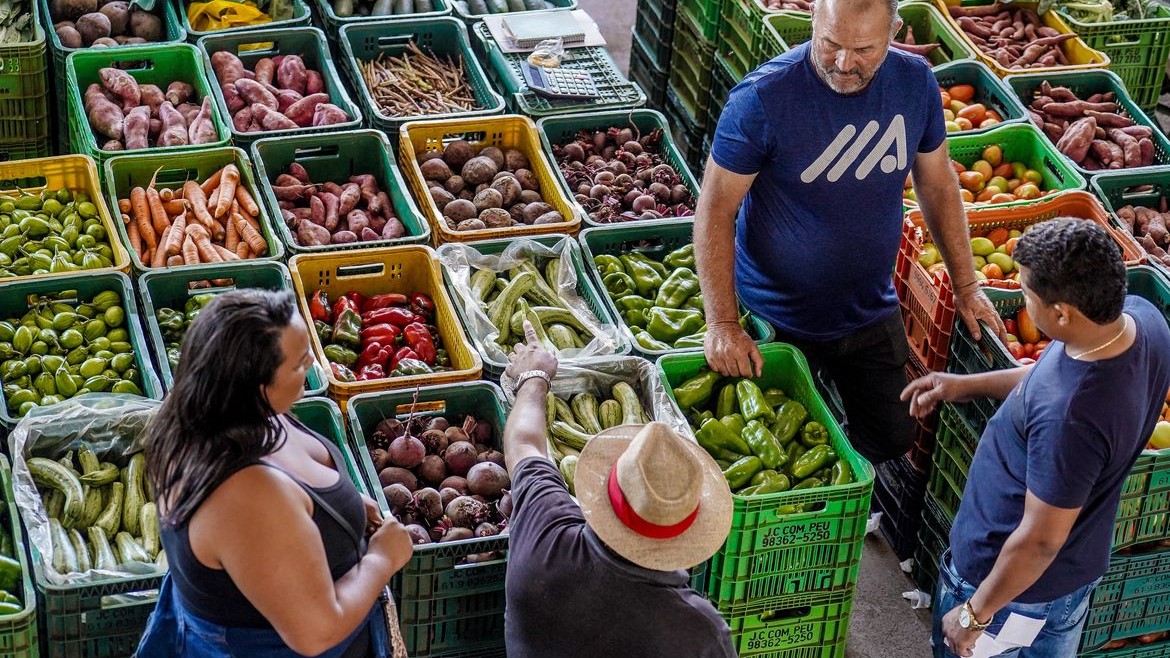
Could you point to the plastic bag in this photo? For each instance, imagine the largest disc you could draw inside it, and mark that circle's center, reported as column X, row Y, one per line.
column 216, row 15
column 598, row 375
column 547, row 53
column 459, row 260
column 113, row 426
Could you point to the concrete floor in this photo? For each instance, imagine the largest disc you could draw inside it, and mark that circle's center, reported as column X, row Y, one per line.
column 883, row 625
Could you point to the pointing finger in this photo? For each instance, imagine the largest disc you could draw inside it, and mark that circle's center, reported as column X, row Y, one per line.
column 529, row 333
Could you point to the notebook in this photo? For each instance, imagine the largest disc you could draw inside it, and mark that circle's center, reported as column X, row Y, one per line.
column 530, row 28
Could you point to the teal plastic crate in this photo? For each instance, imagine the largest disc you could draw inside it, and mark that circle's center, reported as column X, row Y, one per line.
column 653, row 31
column 615, row 91
column 323, row 416
column 441, row 36
column 989, row 90
column 688, row 134
column 18, row 632
column 586, row 289
column 335, row 157
column 725, row 79
column 560, row 130
column 448, row 604
column 15, row 298
column 125, row 172
column 954, row 451
column 301, row 16
column 1085, row 84
column 814, row 631
column 655, row 239
column 1133, row 649
column 645, row 73
column 158, row 65
column 252, row 46
column 786, row 549
column 332, row 23
column 1130, row 601
column 459, row 7
column 1137, row 49
column 168, row 288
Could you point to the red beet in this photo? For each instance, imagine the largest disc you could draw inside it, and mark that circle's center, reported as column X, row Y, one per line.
column 433, row 470
column 494, row 456
column 435, row 441
column 396, row 475
column 457, row 534
column 446, row 495
column 488, row 479
column 429, row 504
column 486, row 530
column 418, row 534
column 398, row 497
column 456, row 482
column 504, row 504
column 460, row 457
column 467, row 512
column 456, row 434
column 407, row 451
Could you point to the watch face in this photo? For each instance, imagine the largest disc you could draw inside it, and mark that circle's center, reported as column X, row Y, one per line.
column 964, row 618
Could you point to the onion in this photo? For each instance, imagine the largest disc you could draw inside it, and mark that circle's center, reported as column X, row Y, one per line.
column 488, row 479
column 407, row 451
column 433, row 469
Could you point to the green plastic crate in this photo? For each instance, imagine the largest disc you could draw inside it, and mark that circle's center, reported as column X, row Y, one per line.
column 737, row 39
column 773, row 559
column 323, row 416
column 934, row 538
column 459, row 7
column 1137, row 50
column 14, row 298
column 1085, row 84
column 1021, row 142
column 333, row 23
column 691, row 65
column 22, row 150
column 18, row 632
column 561, row 130
column 989, row 90
column 645, row 73
column 335, row 157
column 654, row 238
column 443, row 36
column 615, row 91
column 1116, row 189
column 704, row 15
column 251, row 46
column 1130, row 601
column 1136, row 650
column 159, row 65
column 954, row 449
column 125, row 172
column 586, row 289
column 167, row 288
column 816, row 631
column 24, row 79
column 688, row 134
column 725, row 79
column 653, row 31
column 301, row 16
column 446, row 605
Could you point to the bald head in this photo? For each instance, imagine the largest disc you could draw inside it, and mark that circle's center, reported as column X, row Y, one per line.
column 850, row 41
column 848, row 9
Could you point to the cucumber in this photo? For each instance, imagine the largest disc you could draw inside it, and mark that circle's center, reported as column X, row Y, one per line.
column 135, row 498
column 49, row 473
column 516, row 5
column 151, row 540
column 102, row 555
column 498, row 6
column 476, row 7
column 403, row 7
column 81, row 548
column 64, row 557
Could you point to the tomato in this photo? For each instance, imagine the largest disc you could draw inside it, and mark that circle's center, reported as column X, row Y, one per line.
column 1009, row 325
column 946, row 98
column 1028, row 331
column 971, row 180
column 975, row 113
column 992, row 271
column 1016, row 350
column 1029, row 349
column 964, row 123
column 993, row 153
column 963, row 93
column 1043, row 343
column 1001, row 197
column 1010, row 246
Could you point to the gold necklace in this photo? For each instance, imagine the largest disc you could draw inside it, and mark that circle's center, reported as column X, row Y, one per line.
column 1124, row 327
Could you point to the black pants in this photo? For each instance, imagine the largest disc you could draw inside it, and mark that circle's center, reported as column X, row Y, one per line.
column 869, row 370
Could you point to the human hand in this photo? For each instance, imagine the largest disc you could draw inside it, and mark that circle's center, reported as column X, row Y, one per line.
column 391, row 542
column 927, row 391
column 531, row 355
column 973, row 306
column 960, row 640
column 731, row 352
column 373, row 515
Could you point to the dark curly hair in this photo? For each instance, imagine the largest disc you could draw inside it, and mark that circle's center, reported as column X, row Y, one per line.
column 1075, row 262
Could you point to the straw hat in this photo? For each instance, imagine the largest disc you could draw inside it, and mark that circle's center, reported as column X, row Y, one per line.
column 652, row 496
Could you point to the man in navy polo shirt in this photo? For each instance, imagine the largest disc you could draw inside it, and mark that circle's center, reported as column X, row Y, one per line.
column 1035, row 527
column 817, row 144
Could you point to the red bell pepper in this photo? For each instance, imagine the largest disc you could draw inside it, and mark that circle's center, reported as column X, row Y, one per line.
column 341, row 372
column 319, row 307
column 375, row 353
column 386, row 300
column 419, row 339
column 422, row 305
column 402, row 353
column 384, row 333
column 358, row 299
column 397, row 316
column 343, row 302
column 371, row 371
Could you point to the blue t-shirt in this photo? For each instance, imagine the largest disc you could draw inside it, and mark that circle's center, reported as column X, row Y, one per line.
column 818, row 232
column 1069, row 433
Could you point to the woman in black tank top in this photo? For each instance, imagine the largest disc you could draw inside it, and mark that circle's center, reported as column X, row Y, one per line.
column 265, row 538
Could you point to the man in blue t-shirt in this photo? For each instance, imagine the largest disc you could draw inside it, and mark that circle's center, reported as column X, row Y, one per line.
column 1035, row 527
column 817, row 144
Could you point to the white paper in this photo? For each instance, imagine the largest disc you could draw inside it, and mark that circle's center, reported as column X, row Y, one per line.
column 907, row 566
column 1017, row 631
column 872, row 524
column 919, row 600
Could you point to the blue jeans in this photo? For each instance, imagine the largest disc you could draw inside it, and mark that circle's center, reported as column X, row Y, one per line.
column 1060, row 637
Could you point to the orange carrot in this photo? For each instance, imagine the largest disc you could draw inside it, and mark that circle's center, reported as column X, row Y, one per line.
column 212, row 201
column 174, row 261
column 190, row 251
column 158, row 216
column 217, row 230
column 125, row 219
column 211, row 183
column 226, row 254
column 244, row 198
column 124, row 206
column 166, row 194
column 256, row 242
column 159, row 259
column 135, row 239
column 142, row 217
column 243, row 251
column 178, row 233
column 207, row 253
column 229, row 181
column 174, row 206
column 231, row 237
column 198, row 201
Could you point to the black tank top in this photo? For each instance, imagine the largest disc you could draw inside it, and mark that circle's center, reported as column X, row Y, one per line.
column 210, row 593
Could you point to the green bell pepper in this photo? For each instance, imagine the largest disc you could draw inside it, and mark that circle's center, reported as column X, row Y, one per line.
column 646, row 278
column 696, row 391
column 751, row 402
column 793, row 452
column 340, row 354
column 632, row 303
column 607, row 264
column 774, row 397
column 681, row 257
column 789, row 417
column 410, row 367
column 725, row 404
column 714, row 435
column 619, row 284
column 197, row 302
column 324, row 331
column 694, row 302
column 741, row 471
column 174, row 356
column 735, row 423
column 634, row 318
column 768, row 482
column 677, row 288
column 809, row 483
column 812, row 461
column 690, row 342
column 841, row 473
column 9, row 573
column 347, row 328
column 814, row 434
column 764, row 445
column 647, row 342
column 171, row 323
column 671, row 324
column 697, row 419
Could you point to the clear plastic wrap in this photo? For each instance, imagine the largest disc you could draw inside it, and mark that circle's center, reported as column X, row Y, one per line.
column 460, row 260
column 113, row 426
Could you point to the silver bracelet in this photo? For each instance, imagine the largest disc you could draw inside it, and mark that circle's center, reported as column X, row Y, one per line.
column 529, row 374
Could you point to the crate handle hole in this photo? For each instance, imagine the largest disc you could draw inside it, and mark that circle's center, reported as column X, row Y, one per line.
column 464, row 565
column 130, row 599
column 329, row 151
column 23, row 184
column 262, row 48
column 473, row 137
column 349, row 271
column 787, row 613
column 395, row 40
column 435, row 407
column 174, row 177
column 134, row 65
column 1054, row 170
column 227, row 284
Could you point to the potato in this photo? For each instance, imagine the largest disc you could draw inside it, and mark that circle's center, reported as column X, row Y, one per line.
column 479, row 170
column 494, row 154
column 71, row 10
column 118, row 12
column 429, row 155
column 69, row 36
column 104, row 42
column 496, row 218
column 441, row 197
column 435, row 169
column 553, row 217
column 509, row 189
column 489, row 198
column 530, row 196
column 514, row 160
column 534, row 210
column 455, row 184
column 517, row 212
column 146, row 25
column 93, row 26
column 527, row 179
column 457, row 153
column 459, row 210
column 473, row 224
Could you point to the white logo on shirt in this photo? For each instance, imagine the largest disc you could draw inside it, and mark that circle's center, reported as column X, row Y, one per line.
column 895, row 135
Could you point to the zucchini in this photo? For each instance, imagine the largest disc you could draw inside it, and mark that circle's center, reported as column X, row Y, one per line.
column 551, row 315
column 568, row 468
column 541, row 293
column 64, row 557
column 550, row 410
column 129, row 550
column 49, row 473
column 423, row 6
column 106, row 474
column 88, row 460
column 382, row 8
column 343, row 8
column 54, row 503
column 160, row 560
column 565, row 413
column 81, row 549
column 534, row 5
column 403, row 7
column 516, row 5
column 632, row 413
column 151, row 540
column 482, row 283
column 562, row 337
column 584, row 406
column 570, row 436
column 93, row 507
column 134, row 496
column 609, row 414
column 110, row 520
column 498, row 6
column 501, row 310
column 555, row 450
column 102, row 556
column 477, row 7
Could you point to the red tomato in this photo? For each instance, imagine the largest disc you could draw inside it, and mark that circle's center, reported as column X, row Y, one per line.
column 1016, row 350
column 1010, row 325
column 1029, row 349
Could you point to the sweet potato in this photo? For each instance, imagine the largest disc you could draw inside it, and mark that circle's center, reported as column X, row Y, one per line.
column 255, row 93
column 349, row 198
column 122, row 85
column 328, row 114
column 265, row 70
column 270, row 119
column 179, row 92
column 286, row 179
column 293, row 192
column 312, row 235
column 331, row 203
column 1109, row 119
column 314, row 83
column 104, row 116
column 152, row 96
column 1146, row 146
column 1156, row 227
column 137, row 128
column 286, row 98
column 1129, row 146
column 303, row 111
column 189, row 111
column 344, row 237
column 201, row 129
column 317, row 210
column 357, row 220
column 174, row 131
column 1101, row 150
column 393, row 229
column 297, row 170
column 1127, row 217
column 1076, row 140
column 242, row 120
column 292, row 74
column 228, row 68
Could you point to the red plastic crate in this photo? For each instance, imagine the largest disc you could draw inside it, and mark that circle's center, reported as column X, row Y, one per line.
column 928, row 309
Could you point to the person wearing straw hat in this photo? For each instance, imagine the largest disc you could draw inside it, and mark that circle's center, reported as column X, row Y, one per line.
column 606, row 577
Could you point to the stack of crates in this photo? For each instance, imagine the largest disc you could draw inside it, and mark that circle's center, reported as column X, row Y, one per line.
column 692, row 63
column 786, row 576
column 24, row 96
column 651, row 47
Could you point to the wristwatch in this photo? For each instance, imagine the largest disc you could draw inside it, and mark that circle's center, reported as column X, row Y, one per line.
column 967, row 618
column 529, row 374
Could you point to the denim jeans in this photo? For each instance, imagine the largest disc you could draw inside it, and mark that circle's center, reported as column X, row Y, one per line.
column 1060, row 637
